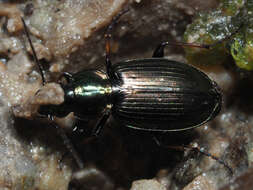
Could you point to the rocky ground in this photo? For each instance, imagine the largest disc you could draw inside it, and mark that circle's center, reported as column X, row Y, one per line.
column 68, row 36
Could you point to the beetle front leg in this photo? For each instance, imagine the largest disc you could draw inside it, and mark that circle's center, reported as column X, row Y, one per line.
column 111, row 74
column 79, row 177
column 68, row 143
column 109, row 71
column 108, row 62
column 101, row 123
column 99, row 126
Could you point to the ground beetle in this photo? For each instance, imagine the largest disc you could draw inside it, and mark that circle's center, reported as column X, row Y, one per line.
column 154, row 94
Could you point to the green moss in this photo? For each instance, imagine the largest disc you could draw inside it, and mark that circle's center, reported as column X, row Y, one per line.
column 242, row 52
column 231, row 7
column 211, row 27
column 208, row 29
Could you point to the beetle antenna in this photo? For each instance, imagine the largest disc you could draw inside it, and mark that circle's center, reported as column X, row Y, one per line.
column 33, row 51
column 197, row 149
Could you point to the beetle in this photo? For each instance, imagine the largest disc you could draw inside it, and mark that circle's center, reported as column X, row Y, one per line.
column 153, row 94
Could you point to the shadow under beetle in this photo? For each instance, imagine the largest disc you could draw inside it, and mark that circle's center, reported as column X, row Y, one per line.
column 154, row 94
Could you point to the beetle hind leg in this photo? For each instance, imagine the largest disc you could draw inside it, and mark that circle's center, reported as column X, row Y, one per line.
column 196, row 149
column 159, row 51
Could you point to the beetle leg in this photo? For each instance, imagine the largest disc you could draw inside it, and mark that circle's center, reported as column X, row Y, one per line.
column 67, row 143
column 90, row 178
column 98, row 128
column 194, row 148
column 108, row 63
column 111, row 74
column 34, row 53
column 101, row 123
column 159, row 51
